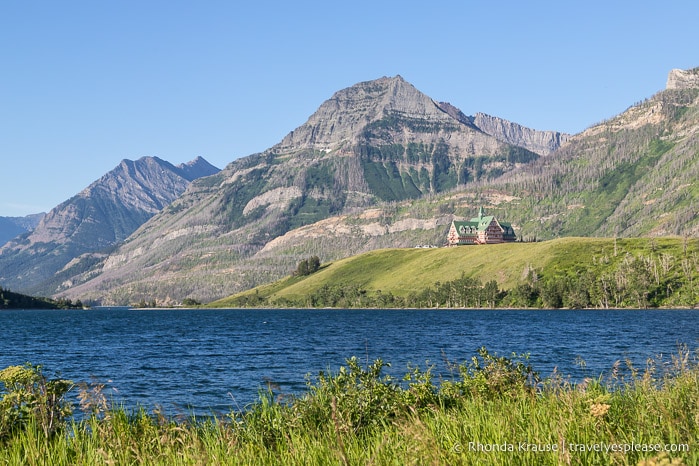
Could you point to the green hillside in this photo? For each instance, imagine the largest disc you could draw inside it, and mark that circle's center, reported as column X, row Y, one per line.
column 580, row 272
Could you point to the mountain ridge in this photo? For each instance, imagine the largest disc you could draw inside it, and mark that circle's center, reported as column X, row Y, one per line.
column 395, row 95
column 98, row 217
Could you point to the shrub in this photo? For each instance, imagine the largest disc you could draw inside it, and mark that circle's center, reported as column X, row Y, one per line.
column 490, row 376
column 28, row 396
column 354, row 399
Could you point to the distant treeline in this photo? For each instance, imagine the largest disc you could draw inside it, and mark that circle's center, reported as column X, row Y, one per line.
column 12, row 300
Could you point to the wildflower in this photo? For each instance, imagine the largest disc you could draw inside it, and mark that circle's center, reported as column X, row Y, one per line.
column 599, row 409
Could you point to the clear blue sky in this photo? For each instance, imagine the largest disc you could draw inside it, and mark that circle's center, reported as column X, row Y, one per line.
column 85, row 84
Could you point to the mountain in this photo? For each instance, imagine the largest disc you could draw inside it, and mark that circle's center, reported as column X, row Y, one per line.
column 15, row 226
column 79, row 231
column 382, row 165
column 636, row 174
column 375, row 142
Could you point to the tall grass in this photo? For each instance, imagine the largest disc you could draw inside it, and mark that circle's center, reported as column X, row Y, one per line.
column 494, row 411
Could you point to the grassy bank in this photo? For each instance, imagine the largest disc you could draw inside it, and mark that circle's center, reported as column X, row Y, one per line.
column 494, row 410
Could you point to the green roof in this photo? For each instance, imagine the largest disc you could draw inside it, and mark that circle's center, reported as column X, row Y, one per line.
column 469, row 227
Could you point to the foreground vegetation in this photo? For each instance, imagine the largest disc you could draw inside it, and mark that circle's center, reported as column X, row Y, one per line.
column 563, row 273
column 493, row 410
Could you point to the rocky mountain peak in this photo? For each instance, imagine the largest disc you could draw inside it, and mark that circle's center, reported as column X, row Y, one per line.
column 14, row 226
column 101, row 215
column 341, row 118
column 683, row 79
column 197, row 168
column 344, row 120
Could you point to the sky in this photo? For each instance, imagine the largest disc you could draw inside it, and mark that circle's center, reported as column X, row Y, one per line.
column 85, row 84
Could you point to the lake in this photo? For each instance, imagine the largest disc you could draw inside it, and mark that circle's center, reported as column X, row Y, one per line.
column 204, row 361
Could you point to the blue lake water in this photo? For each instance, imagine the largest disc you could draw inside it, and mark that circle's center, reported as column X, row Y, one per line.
column 204, row 361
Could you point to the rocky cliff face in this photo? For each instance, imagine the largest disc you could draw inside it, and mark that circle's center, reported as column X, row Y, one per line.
column 540, row 142
column 683, row 79
column 103, row 214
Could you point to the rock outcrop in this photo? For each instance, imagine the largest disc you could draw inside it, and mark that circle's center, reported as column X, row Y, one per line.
column 683, row 79
column 540, row 142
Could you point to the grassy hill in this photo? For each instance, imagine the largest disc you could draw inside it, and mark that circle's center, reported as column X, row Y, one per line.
column 667, row 269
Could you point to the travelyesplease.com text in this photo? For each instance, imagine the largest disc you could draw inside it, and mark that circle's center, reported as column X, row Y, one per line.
column 577, row 447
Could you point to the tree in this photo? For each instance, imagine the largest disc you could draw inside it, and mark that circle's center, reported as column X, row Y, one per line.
column 302, row 268
column 491, row 293
column 307, row 266
column 523, row 295
column 551, row 292
column 313, row 264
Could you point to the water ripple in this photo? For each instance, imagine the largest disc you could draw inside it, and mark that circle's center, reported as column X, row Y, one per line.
column 204, row 360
